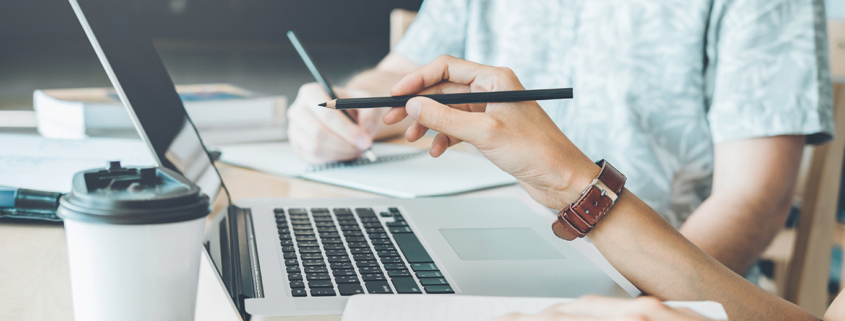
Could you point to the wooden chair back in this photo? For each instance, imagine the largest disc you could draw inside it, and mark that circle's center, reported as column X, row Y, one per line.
column 808, row 269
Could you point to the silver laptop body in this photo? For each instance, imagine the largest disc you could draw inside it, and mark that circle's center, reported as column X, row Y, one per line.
column 428, row 246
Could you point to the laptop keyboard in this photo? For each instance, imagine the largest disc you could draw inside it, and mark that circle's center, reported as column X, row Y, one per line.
column 352, row 253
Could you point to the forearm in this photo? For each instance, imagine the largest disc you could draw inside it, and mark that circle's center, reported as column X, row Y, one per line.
column 670, row 267
column 753, row 183
column 735, row 229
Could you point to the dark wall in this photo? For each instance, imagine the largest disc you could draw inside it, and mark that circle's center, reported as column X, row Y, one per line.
column 327, row 20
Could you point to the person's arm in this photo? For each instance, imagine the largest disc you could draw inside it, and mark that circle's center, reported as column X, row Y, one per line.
column 754, row 178
column 661, row 262
column 522, row 140
column 753, row 184
column 836, row 311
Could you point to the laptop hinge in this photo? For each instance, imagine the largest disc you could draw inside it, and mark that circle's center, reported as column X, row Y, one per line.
column 244, row 278
column 253, row 255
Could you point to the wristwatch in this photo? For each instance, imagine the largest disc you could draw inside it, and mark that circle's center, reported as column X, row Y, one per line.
column 596, row 200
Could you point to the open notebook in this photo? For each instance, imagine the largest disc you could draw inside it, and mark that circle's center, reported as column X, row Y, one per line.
column 470, row 308
column 400, row 171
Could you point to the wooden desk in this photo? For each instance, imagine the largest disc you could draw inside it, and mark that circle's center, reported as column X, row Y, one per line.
column 34, row 278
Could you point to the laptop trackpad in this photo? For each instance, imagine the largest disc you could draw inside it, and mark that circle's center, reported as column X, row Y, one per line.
column 477, row 244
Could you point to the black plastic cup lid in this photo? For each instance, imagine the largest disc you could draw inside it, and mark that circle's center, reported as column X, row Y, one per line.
column 119, row 195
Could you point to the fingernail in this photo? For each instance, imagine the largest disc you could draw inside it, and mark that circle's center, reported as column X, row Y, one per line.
column 363, row 143
column 413, row 108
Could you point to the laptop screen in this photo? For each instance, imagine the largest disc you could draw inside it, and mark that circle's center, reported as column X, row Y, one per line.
column 145, row 88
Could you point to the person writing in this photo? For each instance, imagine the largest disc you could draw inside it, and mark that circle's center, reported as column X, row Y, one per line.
column 521, row 139
column 704, row 104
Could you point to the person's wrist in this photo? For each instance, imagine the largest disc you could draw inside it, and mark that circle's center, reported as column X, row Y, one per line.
column 575, row 177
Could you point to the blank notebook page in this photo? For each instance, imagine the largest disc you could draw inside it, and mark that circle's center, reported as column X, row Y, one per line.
column 415, row 175
column 469, row 308
column 453, row 172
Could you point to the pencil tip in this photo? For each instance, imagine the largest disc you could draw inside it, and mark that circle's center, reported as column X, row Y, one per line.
column 322, row 105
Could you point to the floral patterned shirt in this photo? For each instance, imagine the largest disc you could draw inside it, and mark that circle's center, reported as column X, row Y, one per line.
column 657, row 82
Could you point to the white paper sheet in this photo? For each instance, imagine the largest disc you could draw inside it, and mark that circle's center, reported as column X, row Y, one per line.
column 469, row 308
column 420, row 176
column 34, row 162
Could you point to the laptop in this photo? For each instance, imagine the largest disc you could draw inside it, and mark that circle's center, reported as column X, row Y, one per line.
column 285, row 257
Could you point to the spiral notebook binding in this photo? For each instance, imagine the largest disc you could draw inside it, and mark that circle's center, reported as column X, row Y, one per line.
column 364, row 161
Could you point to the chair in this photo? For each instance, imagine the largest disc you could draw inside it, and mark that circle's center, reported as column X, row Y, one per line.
column 801, row 255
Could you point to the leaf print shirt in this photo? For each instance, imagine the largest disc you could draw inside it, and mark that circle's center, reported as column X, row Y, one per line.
column 657, row 82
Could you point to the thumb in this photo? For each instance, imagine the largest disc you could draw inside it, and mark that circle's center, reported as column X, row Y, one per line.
column 460, row 124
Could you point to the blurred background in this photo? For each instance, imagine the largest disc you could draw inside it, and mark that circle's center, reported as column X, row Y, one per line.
column 240, row 42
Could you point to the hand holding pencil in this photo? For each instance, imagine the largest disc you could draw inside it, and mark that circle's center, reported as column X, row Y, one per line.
column 519, row 137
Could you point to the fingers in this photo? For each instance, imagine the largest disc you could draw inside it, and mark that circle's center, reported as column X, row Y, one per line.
column 466, row 126
column 441, row 143
column 443, row 68
column 415, row 132
column 331, row 120
column 394, row 115
column 319, row 134
column 450, row 69
column 316, row 144
column 342, row 126
column 397, row 114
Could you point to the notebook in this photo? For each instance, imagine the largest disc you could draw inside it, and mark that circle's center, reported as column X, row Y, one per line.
column 400, row 171
column 469, row 308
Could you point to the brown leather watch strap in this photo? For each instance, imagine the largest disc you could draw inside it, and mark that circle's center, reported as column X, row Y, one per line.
column 596, row 200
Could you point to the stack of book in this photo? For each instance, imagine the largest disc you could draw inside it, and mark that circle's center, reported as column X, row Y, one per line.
column 222, row 113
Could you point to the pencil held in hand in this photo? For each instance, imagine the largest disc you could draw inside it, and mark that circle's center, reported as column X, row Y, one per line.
column 452, row 99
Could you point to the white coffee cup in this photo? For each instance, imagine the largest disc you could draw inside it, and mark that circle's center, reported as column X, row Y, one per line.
column 134, row 241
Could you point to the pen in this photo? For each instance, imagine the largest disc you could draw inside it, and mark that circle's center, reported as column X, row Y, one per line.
column 28, row 198
column 328, row 88
column 452, row 99
column 21, row 203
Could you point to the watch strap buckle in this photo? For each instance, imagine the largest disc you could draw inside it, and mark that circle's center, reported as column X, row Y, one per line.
column 596, row 200
column 605, row 191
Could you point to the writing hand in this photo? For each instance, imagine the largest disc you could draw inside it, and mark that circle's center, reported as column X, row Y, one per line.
column 321, row 135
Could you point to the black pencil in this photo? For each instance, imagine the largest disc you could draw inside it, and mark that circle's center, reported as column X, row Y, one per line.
column 452, row 99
